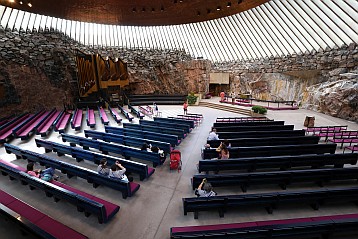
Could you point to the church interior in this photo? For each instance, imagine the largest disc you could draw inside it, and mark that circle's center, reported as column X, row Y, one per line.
column 209, row 119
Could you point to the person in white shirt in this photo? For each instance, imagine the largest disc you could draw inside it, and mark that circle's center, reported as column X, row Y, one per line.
column 213, row 135
column 205, row 189
column 117, row 171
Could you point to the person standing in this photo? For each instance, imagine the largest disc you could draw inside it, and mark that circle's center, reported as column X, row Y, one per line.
column 185, row 107
column 222, row 95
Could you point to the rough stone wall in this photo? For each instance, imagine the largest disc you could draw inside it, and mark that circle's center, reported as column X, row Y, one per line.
column 314, row 80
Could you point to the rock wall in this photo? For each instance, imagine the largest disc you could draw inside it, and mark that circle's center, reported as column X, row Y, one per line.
column 37, row 71
column 324, row 81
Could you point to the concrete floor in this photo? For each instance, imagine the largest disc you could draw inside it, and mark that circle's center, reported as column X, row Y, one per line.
column 157, row 205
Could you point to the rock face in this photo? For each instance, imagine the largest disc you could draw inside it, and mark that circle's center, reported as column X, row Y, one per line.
column 38, row 71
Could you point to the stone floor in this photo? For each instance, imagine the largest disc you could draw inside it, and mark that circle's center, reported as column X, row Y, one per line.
column 157, row 205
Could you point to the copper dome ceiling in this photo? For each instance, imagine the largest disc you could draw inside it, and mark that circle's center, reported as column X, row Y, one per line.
column 135, row 12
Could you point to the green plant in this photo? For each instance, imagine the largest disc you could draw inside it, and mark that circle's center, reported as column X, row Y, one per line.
column 259, row 109
column 191, row 98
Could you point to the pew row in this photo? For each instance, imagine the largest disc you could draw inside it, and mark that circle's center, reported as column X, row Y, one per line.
column 103, row 115
column 123, row 150
column 126, row 140
column 245, row 142
column 334, row 226
column 90, row 118
column 136, row 112
column 61, row 122
column 242, row 119
column 33, row 221
column 162, row 130
column 46, row 125
column 26, row 128
column 172, row 139
column 191, row 123
column 253, row 128
column 261, row 134
column 270, row 200
column 127, row 189
column 80, row 154
column 282, row 178
column 6, row 129
column 273, row 150
column 184, row 127
column 84, row 202
column 115, row 115
column 125, row 113
column 281, row 162
column 247, row 123
column 76, row 120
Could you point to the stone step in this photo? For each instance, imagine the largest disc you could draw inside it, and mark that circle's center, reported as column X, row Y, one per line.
column 226, row 108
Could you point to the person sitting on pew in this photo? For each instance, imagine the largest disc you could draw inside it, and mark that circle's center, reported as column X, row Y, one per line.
column 213, row 135
column 146, row 147
column 205, row 189
column 118, row 171
column 48, row 174
column 156, row 149
column 223, row 150
column 102, row 167
column 31, row 171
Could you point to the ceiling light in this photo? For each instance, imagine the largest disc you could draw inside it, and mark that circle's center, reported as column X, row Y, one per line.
column 12, row 1
column 228, row 4
column 29, row 4
column 198, row 13
column 21, row 2
column 218, row 8
column 134, row 9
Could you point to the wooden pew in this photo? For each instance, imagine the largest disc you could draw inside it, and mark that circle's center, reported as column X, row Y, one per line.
column 103, row 115
column 136, row 112
column 45, row 126
column 28, row 127
column 80, row 154
column 247, row 123
column 333, row 226
column 273, row 150
column 282, row 178
column 115, row 115
column 242, row 119
column 191, row 123
column 126, row 140
column 280, row 162
column 253, row 128
column 6, row 129
column 172, row 139
column 125, row 113
column 84, row 202
column 259, row 134
column 90, row 118
column 127, row 189
column 105, row 148
column 184, row 127
column 269, row 200
column 171, row 131
column 76, row 121
column 61, row 122
column 245, row 142
column 32, row 221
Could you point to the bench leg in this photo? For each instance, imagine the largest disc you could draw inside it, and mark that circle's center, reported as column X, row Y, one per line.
column 283, row 186
column 48, row 194
column 124, row 195
column 56, row 199
column 315, row 205
column 244, row 188
column 48, row 150
column 141, row 177
column 221, row 212
column 85, row 147
column 60, row 154
column 80, row 209
column 72, row 144
column 155, row 165
column 95, row 185
column 87, row 214
column 196, row 215
column 269, row 209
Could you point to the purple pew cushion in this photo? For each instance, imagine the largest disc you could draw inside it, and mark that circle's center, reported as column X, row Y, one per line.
column 134, row 187
column 6, row 198
column 58, row 230
column 26, row 211
column 150, row 171
column 213, row 227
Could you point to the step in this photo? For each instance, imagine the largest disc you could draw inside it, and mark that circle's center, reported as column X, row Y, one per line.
column 226, row 108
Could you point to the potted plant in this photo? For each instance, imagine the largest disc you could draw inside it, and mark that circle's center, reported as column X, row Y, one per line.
column 192, row 99
column 257, row 109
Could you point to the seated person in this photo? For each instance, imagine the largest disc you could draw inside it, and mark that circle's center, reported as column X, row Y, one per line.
column 213, row 135
column 48, row 174
column 102, row 167
column 205, row 189
column 223, row 150
column 146, row 147
column 155, row 149
column 30, row 170
column 118, row 171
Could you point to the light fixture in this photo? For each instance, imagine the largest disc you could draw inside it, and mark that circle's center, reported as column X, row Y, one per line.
column 228, row 4
column 198, row 13
column 29, row 4
column 162, row 9
column 218, row 8
column 12, row 1
column 143, row 9
column 134, row 9
column 21, row 2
